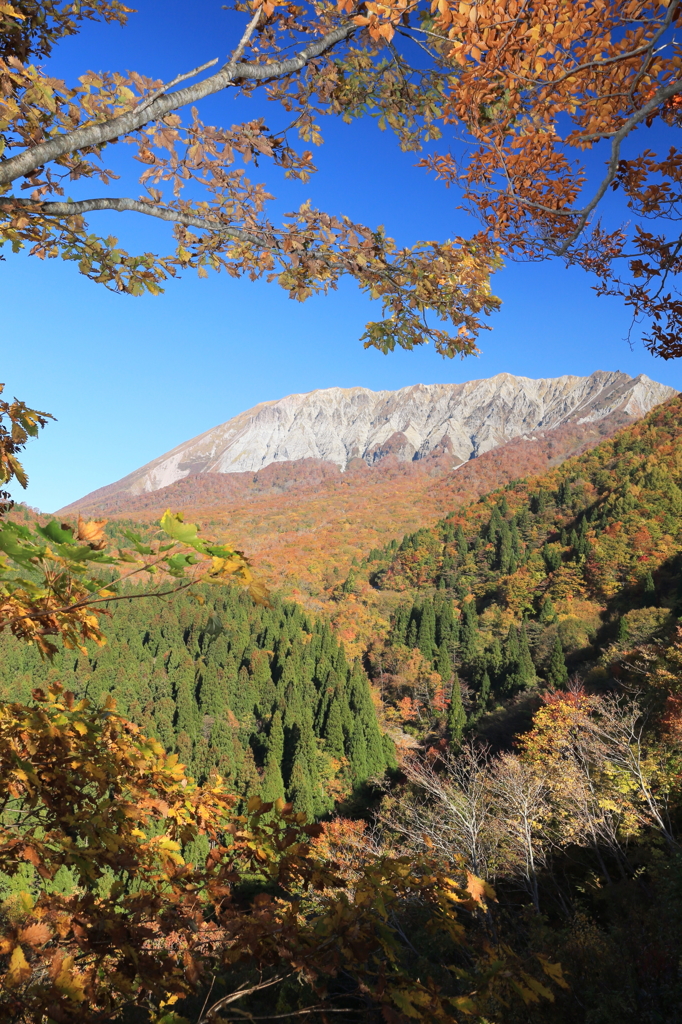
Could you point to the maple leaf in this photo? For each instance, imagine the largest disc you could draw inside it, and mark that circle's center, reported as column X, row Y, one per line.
column 478, row 889
column 92, row 533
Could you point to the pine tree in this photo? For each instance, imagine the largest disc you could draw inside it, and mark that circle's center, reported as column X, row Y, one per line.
column 649, row 589
column 457, row 719
column 349, row 583
column 376, row 761
column 444, row 663
column 273, row 783
column 622, row 631
column 333, row 732
column 484, row 692
column 494, row 659
column 525, row 673
column 299, row 792
column 504, row 556
column 469, row 632
column 357, row 754
column 426, row 635
column 494, row 525
column 187, row 718
column 547, row 613
column 517, row 549
column 557, row 673
column 411, row 639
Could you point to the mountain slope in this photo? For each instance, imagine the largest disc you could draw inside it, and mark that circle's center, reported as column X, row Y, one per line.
column 338, row 426
column 558, row 573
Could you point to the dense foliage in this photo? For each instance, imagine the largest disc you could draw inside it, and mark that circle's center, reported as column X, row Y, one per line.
column 550, row 575
column 530, row 680
column 262, row 695
column 527, row 88
column 108, row 918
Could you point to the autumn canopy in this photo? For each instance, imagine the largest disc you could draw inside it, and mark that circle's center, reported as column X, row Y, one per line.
column 503, row 99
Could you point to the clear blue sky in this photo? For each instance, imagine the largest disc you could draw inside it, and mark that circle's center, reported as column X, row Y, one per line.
column 129, row 378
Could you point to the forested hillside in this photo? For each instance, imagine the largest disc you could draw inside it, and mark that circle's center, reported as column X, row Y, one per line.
column 263, row 696
column 551, row 575
column 303, row 522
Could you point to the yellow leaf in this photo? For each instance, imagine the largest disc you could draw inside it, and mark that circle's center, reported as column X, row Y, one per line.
column 19, row 970
column 68, row 983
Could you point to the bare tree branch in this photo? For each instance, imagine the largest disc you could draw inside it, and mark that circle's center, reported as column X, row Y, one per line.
column 148, row 100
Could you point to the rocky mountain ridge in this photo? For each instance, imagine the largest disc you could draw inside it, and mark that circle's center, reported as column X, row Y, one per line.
column 446, row 424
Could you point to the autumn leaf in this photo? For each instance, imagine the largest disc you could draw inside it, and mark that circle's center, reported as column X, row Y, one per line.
column 479, row 889
column 92, row 533
column 35, row 934
column 19, row 969
column 68, row 982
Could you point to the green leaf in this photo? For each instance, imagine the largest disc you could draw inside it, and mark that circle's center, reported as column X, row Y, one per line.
column 54, row 532
column 186, row 533
column 136, row 541
column 178, row 563
column 18, row 552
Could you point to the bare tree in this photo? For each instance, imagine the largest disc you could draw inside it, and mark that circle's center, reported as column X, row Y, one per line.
column 522, row 812
column 452, row 807
column 619, row 728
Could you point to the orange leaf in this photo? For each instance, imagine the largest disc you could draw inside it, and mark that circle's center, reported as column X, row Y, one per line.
column 35, row 934
column 92, row 533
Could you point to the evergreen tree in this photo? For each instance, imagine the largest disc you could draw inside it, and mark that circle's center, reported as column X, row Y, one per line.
column 517, row 549
column 411, row 639
column 273, row 783
column 456, row 716
column 510, row 659
column 504, row 555
column 552, row 556
column 349, row 583
column 557, row 673
column 333, row 732
column 462, row 546
column 525, row 672
column 299, row 792
column 494, row 525
column 357, row 754
column 649, row 589
column 444, row 663
column 426, row 635
column 494, row 659
column 484, row 692
column 188, row 719
column 469, row 632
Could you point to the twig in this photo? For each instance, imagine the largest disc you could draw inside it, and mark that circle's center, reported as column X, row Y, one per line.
column 244, row 40
column 181, row 78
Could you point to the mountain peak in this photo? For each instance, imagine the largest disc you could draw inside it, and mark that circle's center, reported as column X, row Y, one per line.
column 338, row 425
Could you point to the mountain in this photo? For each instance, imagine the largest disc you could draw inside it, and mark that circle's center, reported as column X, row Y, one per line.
column 559, row 573
column 453, row 422
column 304, row 522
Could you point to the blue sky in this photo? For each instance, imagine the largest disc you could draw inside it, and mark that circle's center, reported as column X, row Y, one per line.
column 129, row 378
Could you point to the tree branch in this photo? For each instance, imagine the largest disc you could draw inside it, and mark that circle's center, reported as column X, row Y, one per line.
column 123, row 205
column 98, row 134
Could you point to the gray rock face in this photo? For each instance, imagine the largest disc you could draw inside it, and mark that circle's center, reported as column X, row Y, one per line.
column 339, row 424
